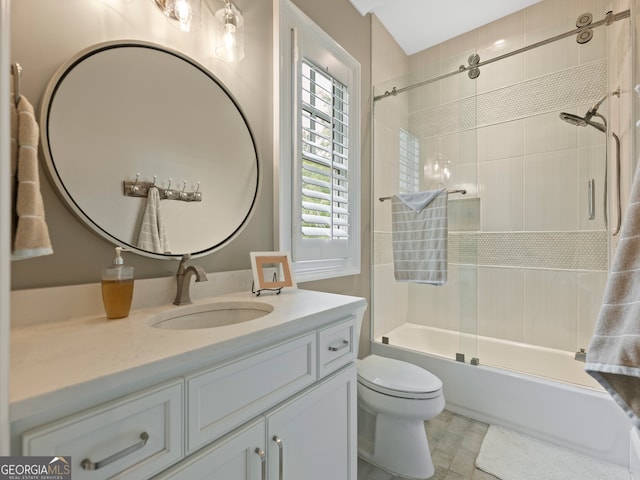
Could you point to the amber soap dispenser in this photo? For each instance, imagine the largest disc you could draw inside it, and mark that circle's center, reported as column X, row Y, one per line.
column 117, row 287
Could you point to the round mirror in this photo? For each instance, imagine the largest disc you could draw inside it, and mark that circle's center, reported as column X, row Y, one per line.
column 143, row 142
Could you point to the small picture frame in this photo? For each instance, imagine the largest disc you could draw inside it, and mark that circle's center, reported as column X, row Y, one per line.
column 271, row 271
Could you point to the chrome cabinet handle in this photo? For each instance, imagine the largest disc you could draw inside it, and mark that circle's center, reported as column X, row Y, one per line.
column 334, row 348
column 263, row 461
column 87, row 464
column 278, row 441
column 591, row 199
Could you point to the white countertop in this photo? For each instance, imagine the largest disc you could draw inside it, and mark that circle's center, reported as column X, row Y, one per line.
column 62, row 356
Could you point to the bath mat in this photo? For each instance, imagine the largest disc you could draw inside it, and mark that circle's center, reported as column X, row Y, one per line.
column 509, row 455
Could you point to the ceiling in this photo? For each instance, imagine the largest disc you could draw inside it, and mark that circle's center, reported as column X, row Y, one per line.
column 420, row 24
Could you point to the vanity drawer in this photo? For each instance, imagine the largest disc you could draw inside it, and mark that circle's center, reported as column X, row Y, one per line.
column 221, row 399
column 336, row 346
column 131, row 438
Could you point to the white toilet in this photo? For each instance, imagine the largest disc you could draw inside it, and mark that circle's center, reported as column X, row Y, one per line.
column 394, row 400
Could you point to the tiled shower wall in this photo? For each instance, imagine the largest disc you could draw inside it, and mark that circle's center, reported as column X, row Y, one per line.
column 525, row 263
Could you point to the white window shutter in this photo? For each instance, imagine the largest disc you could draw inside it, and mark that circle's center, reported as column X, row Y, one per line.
column 318, row 191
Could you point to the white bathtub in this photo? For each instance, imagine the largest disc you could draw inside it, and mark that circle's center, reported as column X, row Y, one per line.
column 584, row 419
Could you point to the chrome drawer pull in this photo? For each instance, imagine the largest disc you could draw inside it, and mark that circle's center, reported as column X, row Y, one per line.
column 278, row 441
column 334, row 348
column 263, row 460
column 89, row 465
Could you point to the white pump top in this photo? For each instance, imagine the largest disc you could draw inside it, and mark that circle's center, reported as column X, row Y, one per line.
column 118, row 260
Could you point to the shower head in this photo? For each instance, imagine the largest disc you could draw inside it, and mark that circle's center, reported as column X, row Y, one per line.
column 573, row 119
column 586, row 120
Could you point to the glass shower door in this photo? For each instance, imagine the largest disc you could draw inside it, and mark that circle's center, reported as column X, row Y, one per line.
column 425, row 139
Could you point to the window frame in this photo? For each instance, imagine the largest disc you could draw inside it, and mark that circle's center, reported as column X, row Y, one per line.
column 298, row 38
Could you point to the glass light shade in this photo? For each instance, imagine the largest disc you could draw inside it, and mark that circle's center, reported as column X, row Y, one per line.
column 184, row 14
column 229, row 33
column 437, row 170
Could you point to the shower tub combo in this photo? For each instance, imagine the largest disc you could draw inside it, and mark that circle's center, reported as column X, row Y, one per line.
column 583, row 419
column 532, row 225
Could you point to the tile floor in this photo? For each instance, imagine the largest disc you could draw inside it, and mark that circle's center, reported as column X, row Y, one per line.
column 454, row 441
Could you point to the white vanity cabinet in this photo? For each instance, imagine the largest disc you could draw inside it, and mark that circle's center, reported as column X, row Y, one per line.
column 275, row 404
column 310, row 435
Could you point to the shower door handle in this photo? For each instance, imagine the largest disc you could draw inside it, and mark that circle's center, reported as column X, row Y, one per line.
column 591, row 198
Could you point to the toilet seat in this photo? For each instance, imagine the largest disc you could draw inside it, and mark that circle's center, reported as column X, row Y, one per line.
column 398, row 379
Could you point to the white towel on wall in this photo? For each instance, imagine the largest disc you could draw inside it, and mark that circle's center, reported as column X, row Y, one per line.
column 419, row 236
column 30, row 231
column 613, row 356
column 153, row 233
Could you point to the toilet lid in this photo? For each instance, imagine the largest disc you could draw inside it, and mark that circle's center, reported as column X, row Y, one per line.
column 397, row 378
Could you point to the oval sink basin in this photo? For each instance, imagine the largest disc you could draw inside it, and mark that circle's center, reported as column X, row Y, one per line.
column 210, row 315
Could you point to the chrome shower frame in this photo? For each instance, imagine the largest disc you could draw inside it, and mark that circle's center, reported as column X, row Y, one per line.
column 609, row 18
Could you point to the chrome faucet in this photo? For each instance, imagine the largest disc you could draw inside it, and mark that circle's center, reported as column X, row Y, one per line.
column 183, row 276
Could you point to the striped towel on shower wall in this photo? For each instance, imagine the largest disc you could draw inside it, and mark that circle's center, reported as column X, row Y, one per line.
column 419, row 237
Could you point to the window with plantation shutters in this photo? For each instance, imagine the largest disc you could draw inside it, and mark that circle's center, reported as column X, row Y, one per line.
column 409, row 163
column 318, row 191
column 325, row 155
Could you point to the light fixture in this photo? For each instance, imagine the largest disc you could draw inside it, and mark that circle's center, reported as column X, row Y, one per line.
column 229, row 33
column 185, row 14
column 437, row 169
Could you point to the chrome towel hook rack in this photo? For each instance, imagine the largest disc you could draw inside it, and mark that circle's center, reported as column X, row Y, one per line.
column 137, row 188
column 16, row 71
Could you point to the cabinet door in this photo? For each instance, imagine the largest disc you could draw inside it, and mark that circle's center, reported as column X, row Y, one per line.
column 237, row 456
column 313, row 436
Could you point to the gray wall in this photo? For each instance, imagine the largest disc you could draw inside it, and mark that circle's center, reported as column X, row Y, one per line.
column 45, row 33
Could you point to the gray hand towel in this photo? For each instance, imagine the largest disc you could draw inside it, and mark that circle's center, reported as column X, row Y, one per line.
column 419, row 236
column 153, row 234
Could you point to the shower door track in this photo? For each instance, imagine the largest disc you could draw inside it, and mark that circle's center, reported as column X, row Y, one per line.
column 607, row 20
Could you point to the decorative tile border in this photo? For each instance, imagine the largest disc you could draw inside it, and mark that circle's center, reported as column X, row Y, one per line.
column 585, row 250
column 579, row 250
column 573, row 87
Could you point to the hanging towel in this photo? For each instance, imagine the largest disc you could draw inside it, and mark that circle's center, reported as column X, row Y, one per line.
column 153, row 234
column 419, row 236
column 613, row 356
column 31, row 236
